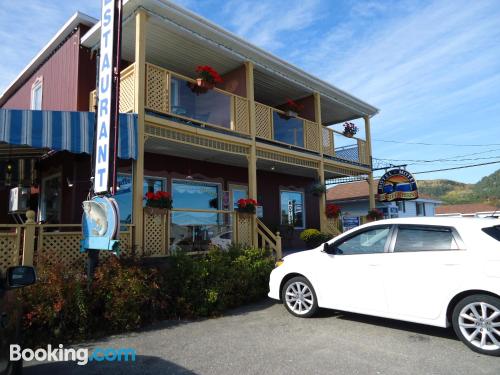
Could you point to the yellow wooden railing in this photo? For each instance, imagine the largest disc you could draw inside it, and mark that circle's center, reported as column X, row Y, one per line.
column 268, row 240
column 127, row 97
column 159, row 99
column 264, row 126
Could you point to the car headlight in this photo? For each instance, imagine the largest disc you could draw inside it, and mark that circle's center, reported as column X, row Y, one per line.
column 279, row 262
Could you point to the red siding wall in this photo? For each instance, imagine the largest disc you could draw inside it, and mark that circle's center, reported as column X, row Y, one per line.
column 60, row 78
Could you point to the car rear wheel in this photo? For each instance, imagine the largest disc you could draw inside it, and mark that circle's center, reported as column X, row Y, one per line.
column 476, row 321
column 299, row 297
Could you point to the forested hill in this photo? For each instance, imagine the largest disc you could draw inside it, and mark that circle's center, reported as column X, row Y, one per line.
column 452, row 192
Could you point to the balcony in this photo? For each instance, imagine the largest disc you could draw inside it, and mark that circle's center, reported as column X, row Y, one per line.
column 173, row 96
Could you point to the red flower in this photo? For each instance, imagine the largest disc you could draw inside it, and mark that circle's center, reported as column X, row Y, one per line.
column 150, row 195
column 242, row 202
column 332, row 210
column 294, row 106
column 209, row 74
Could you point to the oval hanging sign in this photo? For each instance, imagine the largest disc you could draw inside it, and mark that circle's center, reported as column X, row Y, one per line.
column 397, row 185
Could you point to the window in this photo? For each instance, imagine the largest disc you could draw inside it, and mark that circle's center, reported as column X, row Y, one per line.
column 420, row 208
column 493, row 232
column 36, row 94
column 292, row 208
column 401, row 206
column 413, row 238
column 288, row 130
column 367, row 242
column 213, row 107
column 124, row 194
column 50, row 205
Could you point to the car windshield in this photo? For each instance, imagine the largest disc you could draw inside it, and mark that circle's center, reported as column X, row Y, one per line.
column 493, row 232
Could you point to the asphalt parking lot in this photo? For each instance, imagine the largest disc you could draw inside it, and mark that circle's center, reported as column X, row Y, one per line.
column 264, row 339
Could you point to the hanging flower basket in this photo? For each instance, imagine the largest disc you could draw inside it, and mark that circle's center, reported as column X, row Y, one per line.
column 318, row 189
column 374, row 215
column 332, row 211
column 292, row 109
column 350, row 129
column 200, row 82
column 248, row 206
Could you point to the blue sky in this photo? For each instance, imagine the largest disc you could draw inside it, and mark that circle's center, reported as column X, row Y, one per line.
column 432, row 67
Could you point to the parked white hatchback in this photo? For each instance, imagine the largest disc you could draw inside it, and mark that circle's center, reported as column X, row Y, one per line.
column 435, row 271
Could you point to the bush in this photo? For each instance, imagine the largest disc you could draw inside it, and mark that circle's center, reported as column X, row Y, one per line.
column 125, row 295
column 314, row 238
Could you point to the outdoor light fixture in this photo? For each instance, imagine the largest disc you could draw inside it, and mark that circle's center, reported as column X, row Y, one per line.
column 273, row 168
column 8, row 173
column 70, row 184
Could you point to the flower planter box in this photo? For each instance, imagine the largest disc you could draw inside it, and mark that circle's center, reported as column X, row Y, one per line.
column 155, row 211
column 349, row 135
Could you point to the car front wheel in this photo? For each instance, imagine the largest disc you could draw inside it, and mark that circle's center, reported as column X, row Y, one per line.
column 476, row 321
column 299, row 297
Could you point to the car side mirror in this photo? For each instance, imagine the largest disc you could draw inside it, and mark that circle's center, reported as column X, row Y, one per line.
column 20, row 276
column 328, row 248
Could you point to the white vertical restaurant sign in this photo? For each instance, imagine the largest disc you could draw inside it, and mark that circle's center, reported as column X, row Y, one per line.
column 104, row 107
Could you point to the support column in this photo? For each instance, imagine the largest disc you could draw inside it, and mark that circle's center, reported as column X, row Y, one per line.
column 371, row 186
column 252, row 157
column 138, row 165
column 321, row 170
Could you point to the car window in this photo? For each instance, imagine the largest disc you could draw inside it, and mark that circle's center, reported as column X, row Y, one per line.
column 493, row 232
column 366, row 242
column 424, row 239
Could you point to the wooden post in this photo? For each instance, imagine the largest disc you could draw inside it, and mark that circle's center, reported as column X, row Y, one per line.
column 138, row 165
column 321, row 169
column 252, row 157
column 29, row 238
column 368, row 145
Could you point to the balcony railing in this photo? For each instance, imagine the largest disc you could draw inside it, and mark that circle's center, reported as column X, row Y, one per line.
column 175, row 95
column 272, row 125
column 127, row 91
column 172, row 95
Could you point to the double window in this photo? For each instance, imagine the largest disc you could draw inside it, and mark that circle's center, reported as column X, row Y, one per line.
column 408, row 238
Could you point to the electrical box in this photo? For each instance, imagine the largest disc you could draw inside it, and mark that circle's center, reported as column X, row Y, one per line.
column 19, row 199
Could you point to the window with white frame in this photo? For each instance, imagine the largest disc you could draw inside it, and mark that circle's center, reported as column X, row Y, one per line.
column 401, row 206
column 36, row 94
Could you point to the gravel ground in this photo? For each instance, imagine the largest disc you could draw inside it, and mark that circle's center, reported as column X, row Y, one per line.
column 264, row 339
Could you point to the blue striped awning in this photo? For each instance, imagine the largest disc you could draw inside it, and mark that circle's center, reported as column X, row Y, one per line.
column 63, row 131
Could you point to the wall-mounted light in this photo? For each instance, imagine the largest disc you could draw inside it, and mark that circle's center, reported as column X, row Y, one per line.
column 70, row 184
column 8, row 173
column 273, row 168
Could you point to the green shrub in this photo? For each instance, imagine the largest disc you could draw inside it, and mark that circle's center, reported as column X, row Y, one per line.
column 314, row 238
column 125, row 295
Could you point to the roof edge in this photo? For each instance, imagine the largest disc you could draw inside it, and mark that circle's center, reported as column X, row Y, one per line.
column 328, row 90
column 76, row 19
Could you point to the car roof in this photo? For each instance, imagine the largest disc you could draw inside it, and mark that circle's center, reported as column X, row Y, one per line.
column 445, row 221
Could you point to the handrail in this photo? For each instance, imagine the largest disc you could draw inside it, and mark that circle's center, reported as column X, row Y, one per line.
column 201, row 210
column 268, row 239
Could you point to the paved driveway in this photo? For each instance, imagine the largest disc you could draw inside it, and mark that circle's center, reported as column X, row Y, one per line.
column 264, row 339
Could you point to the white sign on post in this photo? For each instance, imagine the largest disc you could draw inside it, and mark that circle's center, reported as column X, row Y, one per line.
column 104, row 107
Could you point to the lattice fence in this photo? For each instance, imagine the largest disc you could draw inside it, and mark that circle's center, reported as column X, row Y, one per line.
column 127, row 89
column 349, row 153
column 328, row 146
column 245, row 228
column 333, row 226
column 157, row 89
column 156, row 226
column 362, row 152
column 311, row 136
column 263, row 121
column 10, row 240
column 241, row 115
column 63, row 245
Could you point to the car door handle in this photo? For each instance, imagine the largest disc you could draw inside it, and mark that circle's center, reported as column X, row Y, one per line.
column 451, row 264
column 374, row 264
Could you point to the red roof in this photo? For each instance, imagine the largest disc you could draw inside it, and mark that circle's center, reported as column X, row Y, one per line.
column 469, row 208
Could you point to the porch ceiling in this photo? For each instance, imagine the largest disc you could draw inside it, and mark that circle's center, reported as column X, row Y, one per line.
column 172, row 148
column 180, row 40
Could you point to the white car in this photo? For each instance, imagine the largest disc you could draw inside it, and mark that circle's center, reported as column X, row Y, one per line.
column 435, row 271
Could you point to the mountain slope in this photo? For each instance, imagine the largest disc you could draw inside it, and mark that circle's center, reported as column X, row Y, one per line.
column 452, row 192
